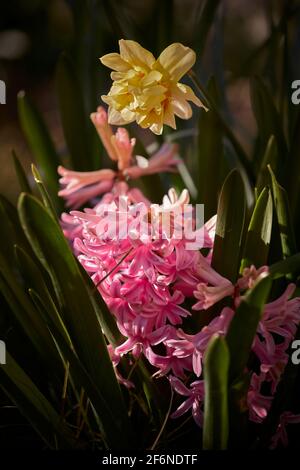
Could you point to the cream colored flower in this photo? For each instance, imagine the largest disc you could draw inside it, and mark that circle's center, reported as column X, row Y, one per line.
column 147, row 90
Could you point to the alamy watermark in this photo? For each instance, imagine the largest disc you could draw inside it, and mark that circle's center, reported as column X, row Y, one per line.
column 295, row 358
column 296, row 93
column 2, row 92
column 141, row 222
column 2, row 352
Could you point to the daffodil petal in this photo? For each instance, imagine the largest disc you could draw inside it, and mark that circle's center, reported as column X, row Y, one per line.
column 157, row 128
column 189, row 95
column 169, row 117
column 114, row 61
column 177, row 60
column 115, row 118
column 182, row 109
column 151, row 78
column 127, row 115
column 135, row 54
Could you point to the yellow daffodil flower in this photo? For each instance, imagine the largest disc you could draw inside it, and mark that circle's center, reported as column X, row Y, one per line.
column 147, row 90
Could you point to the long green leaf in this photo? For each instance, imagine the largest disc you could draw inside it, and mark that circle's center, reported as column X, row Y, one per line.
column 210, row 156
column 267, row 117
column 208, row 11
column 74, row 119
column 282, row 208
column 21, row 175
column 240, row 153
column 43, row 192
column 28, row 318
column 109, row 428
column 41, row 144
column 34, row 406
column 216, row 366
column 107, row 321
column 271, row 157
column 288, row 266
column 79, row 314
column 259, row 232
column 11, row 232
column 229, row 229
column 34, row 278
column 243, row 327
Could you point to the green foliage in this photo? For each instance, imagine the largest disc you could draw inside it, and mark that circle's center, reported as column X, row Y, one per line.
column 73, row 115
column 229, row 229
column 216, row 366
column 71, row 396
column 40, row 143
column 258, row 237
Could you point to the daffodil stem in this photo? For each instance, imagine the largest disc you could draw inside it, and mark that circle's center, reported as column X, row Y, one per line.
column 209, row 103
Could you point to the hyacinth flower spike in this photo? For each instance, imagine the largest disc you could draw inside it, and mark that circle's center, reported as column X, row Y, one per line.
column 80, row 187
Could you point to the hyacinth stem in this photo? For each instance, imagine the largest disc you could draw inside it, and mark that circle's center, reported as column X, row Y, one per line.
column 209, row 103
column 164, row 423
column 133, row 368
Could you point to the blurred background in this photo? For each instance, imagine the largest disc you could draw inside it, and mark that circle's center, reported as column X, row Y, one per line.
column 245, row 39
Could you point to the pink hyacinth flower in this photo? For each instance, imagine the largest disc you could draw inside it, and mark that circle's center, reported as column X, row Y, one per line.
column 194, row 346
column 165, row 160
column 215, row 287
column 281, row 435
column 258, row 404
column 100, row 121
column 123, row 146
column 194, row 401
column 80, row 187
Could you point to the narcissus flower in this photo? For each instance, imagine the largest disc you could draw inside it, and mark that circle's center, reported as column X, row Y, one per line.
column 147, row 90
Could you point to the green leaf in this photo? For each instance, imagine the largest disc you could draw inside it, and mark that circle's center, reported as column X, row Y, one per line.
column 78, row 312
column 216, row 366
column 243, row 326
column 34, row 278
column 34, row 406
column 267, row 117
column 210, row 156
column 239, row 338
column 281, row 203
column 21, row 175
column 271, row 157
column 28, row 318
column 11, row 232
column 208, row 11
column 107, row 321
column 44, row 193
column 73, row 116
column 41, row 144
column 288, row 266
column 109, row 427
column 229, row 228
column 259, row 232
column 209, row 102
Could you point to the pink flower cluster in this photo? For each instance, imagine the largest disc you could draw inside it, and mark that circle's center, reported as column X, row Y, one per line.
column 147, row 280
column 81, row 187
